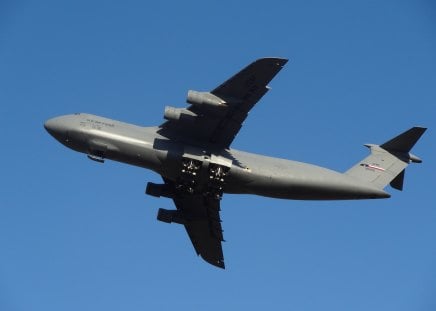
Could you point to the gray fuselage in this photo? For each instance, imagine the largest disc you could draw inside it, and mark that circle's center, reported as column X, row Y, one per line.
column 249, row 173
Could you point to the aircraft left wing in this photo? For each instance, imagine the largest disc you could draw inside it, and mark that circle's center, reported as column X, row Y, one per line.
column 214, row 118
column 203, row 224
column 200, row 216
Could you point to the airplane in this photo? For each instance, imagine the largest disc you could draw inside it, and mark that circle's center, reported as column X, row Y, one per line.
column 191, row 151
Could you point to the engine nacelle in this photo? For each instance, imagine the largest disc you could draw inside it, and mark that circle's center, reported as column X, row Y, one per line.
column 205, row 99
column 170, row 216
column 159, row 190
column 177, row 114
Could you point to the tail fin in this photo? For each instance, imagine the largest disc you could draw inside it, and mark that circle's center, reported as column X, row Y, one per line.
column 387, row 162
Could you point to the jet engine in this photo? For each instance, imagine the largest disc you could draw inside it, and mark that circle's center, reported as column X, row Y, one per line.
column 178, row 114
column 205, row 99
column 170, row 216
column 159, row 190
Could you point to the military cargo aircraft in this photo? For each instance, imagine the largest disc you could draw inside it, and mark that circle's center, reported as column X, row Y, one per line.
column 191, row 151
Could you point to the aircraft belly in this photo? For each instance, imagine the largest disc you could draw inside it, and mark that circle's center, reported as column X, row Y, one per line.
column 135, row 148
column 247, row 173
column 191, row 152
column 137, row 155
column 286, row 179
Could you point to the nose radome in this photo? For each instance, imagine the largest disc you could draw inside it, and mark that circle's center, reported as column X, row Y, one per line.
column 57, row 127
column 48, row 125
column 53, row 125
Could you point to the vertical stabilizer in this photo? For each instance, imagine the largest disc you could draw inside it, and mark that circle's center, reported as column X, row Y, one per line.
column 387, row 162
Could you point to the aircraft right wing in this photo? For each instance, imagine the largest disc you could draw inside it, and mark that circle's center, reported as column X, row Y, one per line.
column 214, row 118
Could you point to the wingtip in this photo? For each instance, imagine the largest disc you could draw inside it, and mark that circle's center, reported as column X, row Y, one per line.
column 281, row 61
column 277, row 60
column 217, row 263
column 421, row 128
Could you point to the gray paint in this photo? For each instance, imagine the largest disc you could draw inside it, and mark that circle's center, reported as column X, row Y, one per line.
column 191, row 151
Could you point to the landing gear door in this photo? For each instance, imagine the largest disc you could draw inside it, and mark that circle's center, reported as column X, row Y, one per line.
column 219, row 167
column 97, row 151
column 203, row 173
column 193, row 167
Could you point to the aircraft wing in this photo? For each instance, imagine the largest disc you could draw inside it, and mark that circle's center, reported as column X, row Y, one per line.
column 203, row 224
column 214, row 118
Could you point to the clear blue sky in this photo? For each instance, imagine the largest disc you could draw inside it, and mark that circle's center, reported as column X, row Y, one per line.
column 76, row 235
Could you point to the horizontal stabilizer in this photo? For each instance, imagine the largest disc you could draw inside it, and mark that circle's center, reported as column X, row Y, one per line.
column 397, row 182
column 405, row 141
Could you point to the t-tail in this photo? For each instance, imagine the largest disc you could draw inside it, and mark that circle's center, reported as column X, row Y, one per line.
column 387, row 162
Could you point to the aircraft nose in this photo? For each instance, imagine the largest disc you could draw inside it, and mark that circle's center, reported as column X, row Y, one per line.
column 53, row 126
column 57, row 128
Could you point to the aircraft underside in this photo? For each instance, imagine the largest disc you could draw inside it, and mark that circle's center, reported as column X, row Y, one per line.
column 191, row 151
